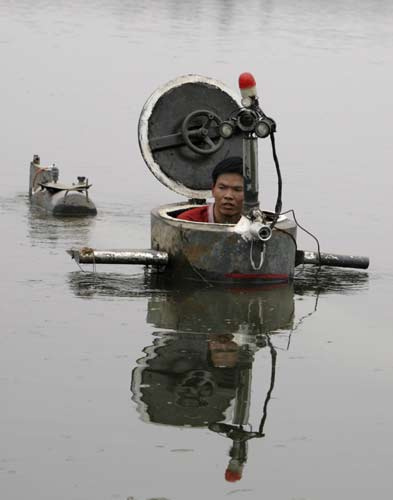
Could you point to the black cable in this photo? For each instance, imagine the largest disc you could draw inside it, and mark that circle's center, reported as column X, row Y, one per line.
column 292, row 211
column 278, row 207
column 273, row 354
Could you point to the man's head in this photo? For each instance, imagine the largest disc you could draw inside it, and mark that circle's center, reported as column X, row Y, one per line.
column 228, row 190
column 224, row 352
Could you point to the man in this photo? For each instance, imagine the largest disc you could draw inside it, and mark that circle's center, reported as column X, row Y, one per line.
column 228, row 194
column 224, row 351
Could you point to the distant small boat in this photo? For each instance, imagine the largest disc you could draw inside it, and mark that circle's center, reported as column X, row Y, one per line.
column 59, row 199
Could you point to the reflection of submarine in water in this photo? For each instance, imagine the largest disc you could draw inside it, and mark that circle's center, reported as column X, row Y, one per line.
column 248, row 312
column 44, row 230
column 198, row 372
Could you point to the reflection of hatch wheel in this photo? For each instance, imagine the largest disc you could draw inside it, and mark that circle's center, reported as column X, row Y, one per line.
column 200, row 132
column 195, row 389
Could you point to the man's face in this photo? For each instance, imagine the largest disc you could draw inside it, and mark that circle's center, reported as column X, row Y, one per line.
column 228, row 196
column 224, row 351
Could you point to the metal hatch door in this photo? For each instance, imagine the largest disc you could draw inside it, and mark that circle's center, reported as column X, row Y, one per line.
column 178, row 133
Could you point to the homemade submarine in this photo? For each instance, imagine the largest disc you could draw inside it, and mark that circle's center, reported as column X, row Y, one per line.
column 185, row 128
column 46, row 192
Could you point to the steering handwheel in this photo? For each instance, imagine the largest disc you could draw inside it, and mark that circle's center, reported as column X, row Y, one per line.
column 196, row 135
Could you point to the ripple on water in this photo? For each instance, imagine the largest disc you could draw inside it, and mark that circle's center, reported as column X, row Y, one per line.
column 114, row 285
column 330, row 280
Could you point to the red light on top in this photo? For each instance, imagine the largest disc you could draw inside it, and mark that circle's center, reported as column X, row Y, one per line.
column 232, row 476
column 246, row 81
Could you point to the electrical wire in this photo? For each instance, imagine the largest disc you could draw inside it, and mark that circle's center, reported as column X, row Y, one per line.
column 292, row 211
column 261, row 258
column 278, row 207
column 273, row 354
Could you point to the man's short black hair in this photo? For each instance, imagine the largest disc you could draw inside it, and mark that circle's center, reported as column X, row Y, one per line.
column 231, row 165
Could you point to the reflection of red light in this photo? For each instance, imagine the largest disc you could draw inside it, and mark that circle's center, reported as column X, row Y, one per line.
column 250, row 276
column 242, row 289
column 232, row 476
column 246, row 81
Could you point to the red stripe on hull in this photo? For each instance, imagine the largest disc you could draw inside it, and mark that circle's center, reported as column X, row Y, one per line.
column 266, row 277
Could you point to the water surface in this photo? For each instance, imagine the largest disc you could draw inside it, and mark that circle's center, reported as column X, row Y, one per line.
column 111, row 382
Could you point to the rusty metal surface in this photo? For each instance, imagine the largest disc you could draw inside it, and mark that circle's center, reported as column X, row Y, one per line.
column 203, row 252
column 330, row 259
column 89, row 255
column 216, row 253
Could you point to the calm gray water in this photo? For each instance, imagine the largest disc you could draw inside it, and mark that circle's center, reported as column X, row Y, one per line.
column 109, row 382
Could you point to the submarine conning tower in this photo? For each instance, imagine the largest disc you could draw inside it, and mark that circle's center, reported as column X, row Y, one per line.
column 207, row 122
column 185, row 129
